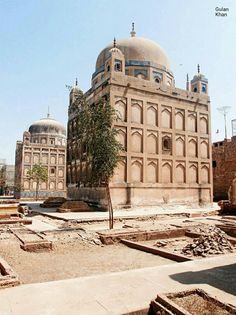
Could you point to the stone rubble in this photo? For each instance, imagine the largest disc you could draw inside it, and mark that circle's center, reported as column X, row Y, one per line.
column 73, row 234
column 161, row 243
column 4, row 233
column 213, row 243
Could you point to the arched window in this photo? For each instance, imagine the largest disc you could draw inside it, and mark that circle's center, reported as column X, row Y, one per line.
column 166, row 143
column 118, row 65
column 204, row 89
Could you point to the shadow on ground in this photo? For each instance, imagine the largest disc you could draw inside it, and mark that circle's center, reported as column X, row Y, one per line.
column 223, row 278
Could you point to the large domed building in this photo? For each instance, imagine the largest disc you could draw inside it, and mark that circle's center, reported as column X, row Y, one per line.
column 165, row 130
column 44, row 143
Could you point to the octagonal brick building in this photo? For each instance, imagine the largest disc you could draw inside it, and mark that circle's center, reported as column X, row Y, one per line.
column 44, row 143
column 165, row 130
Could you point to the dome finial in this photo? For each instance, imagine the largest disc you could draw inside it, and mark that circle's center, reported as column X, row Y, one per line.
column 48, row 114
column 76, row 81
column 133, row 33
column 114, row 42
column 198, row 68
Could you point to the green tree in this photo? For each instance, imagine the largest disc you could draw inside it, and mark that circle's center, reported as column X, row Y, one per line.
column 99, row 146
column 38, row 173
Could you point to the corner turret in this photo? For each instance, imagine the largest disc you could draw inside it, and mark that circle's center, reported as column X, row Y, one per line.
column 199, row 83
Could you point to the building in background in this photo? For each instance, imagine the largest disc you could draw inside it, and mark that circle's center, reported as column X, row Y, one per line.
column 2, row 176
column 44, row 143
column 224, row 165
column 165, row 130
column 10, row 179
column 7, row 177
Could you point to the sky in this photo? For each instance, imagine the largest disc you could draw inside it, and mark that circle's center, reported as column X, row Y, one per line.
column 46, row 44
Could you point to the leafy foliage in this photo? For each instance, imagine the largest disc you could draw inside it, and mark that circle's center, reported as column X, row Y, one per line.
column 98, row 136
column 99, row 148
column 38, row 173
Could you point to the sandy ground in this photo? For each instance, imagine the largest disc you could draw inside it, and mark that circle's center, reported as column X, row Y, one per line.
column 75, row 253
column 118, row 224
column 73, row 259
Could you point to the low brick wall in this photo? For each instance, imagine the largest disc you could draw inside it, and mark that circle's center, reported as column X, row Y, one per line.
column 143, row 195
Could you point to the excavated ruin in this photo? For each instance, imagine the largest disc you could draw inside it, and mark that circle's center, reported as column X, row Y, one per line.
column 213, row 243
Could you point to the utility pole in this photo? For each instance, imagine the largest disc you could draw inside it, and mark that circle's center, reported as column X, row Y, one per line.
column 224, row 110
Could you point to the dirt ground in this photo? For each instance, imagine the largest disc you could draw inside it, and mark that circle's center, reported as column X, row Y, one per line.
column 172, row 245
column 73, row 259
column 196, row 305
column 77, row 250
column 139, row 223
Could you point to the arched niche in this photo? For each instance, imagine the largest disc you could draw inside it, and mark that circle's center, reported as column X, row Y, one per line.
column 204, row 149
column 166, row 145
column 180, row 173
column 120, row 172
column 61, row 172
column 69, row 173
column 179, row 120
column 179, row 149
column 26, row 185
column 120, row 106
column 43, row 186
column 27, row 158
column 26, row 170
column 152, row 144
column 43, row 140
column 53, row 159
column 192, row 148
column 121, row 137
column 60, row 185
column 192, row 122
column 44, row 158
column 36, row 159
column 166, row 173
column 203, row 125
column 136, row 142
column 140, row 75
column 204, row 175
column 136, row 113
column 193, row 176
column 166, row 118
column 61, row 160
column 136, row 171
column 152, row 116
column 52, row 185
column 73, row 174
column 151, row 172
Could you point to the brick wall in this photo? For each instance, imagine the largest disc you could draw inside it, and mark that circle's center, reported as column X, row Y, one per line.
column 224, row 166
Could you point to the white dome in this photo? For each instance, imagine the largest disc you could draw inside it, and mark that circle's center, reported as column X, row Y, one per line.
column 139, row 49
column 47, row 126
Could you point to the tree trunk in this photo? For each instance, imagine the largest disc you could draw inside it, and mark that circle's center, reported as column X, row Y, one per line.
column 37, row 190
column 110, row 208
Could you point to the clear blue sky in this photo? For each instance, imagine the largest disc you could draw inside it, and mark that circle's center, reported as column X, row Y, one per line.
column 45, row 44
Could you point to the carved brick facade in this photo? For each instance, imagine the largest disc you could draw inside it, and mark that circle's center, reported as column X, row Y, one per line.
column 45, row 144
column 165, row 131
